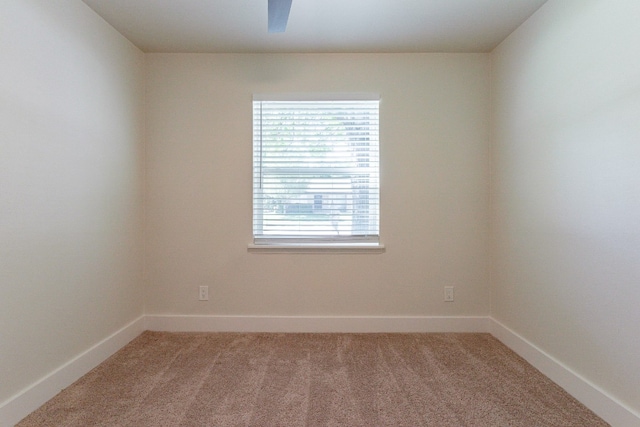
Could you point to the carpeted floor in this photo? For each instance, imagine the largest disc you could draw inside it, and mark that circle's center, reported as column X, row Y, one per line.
column 225, row 379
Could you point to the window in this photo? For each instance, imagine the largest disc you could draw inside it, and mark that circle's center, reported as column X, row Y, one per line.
column 316, row 178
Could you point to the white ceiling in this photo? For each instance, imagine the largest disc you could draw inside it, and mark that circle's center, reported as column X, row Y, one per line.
column 317, row 25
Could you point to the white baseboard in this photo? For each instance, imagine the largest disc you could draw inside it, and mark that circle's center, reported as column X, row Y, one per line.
column 604, row 405
column 30, row 399
column 355, row 324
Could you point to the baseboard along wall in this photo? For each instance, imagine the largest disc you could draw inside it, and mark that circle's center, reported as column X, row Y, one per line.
column 590, row 395
column 608, row 408
column 34, row 396
column 317, row 324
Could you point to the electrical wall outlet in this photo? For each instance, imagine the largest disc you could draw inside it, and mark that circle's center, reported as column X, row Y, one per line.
column 448, row 293
column 204, row 293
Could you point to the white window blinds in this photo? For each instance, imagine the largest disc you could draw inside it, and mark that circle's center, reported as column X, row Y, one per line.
column 316, row 171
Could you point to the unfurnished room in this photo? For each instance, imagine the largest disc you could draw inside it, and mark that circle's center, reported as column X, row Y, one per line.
column 320, row 213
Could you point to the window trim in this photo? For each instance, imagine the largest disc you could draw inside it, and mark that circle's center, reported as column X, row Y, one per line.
column 303, row 248
column 351, row 244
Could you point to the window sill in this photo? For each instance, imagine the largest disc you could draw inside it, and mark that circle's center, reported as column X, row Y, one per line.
column 333, row 248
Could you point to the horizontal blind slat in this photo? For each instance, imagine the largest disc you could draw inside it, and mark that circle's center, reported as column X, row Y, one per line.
column 316, row 170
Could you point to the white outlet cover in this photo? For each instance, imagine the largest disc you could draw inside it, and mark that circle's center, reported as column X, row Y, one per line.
column 448, row 293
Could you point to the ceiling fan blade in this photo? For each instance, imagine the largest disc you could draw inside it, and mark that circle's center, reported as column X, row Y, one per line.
column 278, row 15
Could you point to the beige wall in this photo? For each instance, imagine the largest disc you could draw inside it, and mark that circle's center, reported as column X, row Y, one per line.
column 566, row 189
column 434, row 195
column 70, row 186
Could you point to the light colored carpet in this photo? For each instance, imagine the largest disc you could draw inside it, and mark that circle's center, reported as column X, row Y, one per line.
column 229, row 379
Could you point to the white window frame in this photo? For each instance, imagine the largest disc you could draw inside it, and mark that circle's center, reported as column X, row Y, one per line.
column 288, row 243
